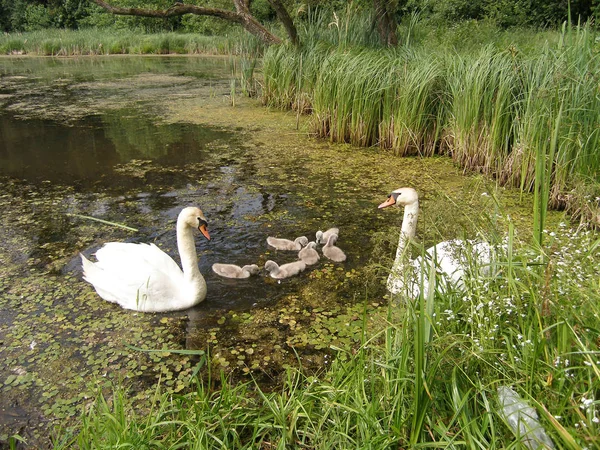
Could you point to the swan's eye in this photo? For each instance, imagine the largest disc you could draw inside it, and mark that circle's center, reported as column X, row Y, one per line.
column 202, row 222
column 395, row 196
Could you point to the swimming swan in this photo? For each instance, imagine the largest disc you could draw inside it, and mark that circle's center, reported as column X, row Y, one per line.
column 286, row 244
column 144, row 278
column 452, row 258
column 284, row 271
column 233, row 271
column 323, row 236
column 331, row 252
column 308, row 254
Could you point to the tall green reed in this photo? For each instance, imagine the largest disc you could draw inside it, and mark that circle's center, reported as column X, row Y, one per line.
column 414, row 104
column 544, row 169
column 493, row 110
column 107, row 42
column 482, row 89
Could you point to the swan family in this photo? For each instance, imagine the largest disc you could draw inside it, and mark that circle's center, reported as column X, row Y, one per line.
column 142, row 277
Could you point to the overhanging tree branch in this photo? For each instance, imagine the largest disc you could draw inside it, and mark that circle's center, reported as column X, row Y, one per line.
column 241, row 16
column 285, row 18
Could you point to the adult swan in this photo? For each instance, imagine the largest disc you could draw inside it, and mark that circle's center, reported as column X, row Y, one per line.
column 452, row 258
column 144, row 278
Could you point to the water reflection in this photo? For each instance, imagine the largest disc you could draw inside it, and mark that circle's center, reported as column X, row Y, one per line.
column 35, row 70
column 46, row 150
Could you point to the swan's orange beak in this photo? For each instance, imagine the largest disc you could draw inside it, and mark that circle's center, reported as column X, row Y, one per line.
column 202, row 228
column 389, row 202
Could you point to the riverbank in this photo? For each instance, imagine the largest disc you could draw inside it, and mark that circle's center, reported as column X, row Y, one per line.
column 425, row 373
column 494, row 105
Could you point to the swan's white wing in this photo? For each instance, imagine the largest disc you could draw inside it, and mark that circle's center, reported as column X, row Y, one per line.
column 130, row 274
column 135, row 258
column 449, row 262
column 455, row 259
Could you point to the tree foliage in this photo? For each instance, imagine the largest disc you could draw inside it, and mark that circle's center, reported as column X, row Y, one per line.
column 508, row 13
column 24, row 15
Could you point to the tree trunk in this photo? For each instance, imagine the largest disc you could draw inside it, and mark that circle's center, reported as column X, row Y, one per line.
column 385, row 12
column 240, row 16
column 286, row 20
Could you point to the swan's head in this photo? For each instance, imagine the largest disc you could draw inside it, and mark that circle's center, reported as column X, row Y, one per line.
column 332, row 239
column 401, row 197
column 311, row 244
column 194, row 217
column 302, row 240
column 271, row 265
column 252, row 269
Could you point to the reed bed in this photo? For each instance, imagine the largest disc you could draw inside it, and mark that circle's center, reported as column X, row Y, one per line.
column 425, row 376
column 112, row 42
column 493, row 110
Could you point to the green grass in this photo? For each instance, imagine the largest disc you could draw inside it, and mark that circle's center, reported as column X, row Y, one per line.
column 426, row 377
column 110, row 42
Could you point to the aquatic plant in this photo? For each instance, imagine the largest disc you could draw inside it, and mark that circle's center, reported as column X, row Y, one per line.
column 482, row 89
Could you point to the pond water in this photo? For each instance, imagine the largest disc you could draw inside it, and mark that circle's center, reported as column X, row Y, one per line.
column 133, row 140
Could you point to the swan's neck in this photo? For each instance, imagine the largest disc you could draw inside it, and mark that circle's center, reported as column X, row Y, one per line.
column 187, row 252
column 408, row 230
column 275, row 270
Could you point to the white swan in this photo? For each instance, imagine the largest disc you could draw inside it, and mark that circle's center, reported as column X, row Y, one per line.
column 323, row 236
column 286, row 244
column 452, row 258
column 308, row 254
column 332, row 252
column 233, row 271
column 144, row 278
column 284, row 271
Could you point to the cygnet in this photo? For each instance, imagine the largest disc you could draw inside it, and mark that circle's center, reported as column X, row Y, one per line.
column 332, row 252
column 308, row 254
column 233, row 271
column 284, row 271
column 323, row 236
column 286, row 244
